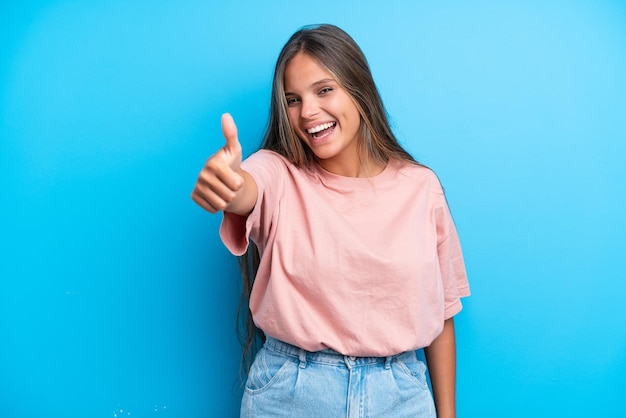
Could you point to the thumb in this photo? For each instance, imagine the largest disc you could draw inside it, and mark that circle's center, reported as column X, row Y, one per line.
column 229, row 129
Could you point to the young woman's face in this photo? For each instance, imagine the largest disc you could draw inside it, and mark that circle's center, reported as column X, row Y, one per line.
column 323, row 115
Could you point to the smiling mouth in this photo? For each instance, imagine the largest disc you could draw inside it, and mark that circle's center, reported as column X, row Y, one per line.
column 322, row 130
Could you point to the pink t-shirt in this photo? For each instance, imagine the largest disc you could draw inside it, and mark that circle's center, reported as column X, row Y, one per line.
column 365, row 266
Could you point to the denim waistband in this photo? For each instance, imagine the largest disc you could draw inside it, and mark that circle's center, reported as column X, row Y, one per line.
column 326, row 356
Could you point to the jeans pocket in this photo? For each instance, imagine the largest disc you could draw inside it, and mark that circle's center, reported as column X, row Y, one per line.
column 411, row 366
column 267, row 368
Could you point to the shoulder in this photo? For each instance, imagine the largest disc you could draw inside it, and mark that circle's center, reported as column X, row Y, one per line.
column 265, row 161
column 274, row 170
column 418, row 175
column 264, row 156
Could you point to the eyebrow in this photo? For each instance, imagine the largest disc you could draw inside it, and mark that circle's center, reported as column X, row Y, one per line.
column 323, row 81
column 315, row 84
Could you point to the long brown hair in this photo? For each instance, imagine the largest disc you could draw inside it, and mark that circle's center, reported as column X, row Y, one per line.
column 335, row 50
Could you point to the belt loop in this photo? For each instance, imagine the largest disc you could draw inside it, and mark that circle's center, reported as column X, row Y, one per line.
column 349, row 360
column 388, row 361
column 302, row 357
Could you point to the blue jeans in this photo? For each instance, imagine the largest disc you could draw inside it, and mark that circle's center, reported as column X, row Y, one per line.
column 286, row 381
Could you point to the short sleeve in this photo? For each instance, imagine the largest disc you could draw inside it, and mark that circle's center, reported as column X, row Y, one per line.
column 235, row 232
column 266, row 168
column 450, row 255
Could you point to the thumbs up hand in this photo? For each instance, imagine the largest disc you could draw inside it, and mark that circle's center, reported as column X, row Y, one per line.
column 221, row 182
column 232, row 150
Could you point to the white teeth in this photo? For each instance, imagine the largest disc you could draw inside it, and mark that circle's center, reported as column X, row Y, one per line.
column 320, row 127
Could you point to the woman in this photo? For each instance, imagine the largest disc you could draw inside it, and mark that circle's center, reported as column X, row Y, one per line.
column 360, row 263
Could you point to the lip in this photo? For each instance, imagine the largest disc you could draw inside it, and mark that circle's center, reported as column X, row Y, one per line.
column 316, row 124
column 319, row 140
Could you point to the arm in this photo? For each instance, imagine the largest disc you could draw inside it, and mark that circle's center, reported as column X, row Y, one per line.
column 222, row 184
column 441, row 359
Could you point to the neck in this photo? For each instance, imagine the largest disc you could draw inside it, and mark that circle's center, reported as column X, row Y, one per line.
column 358, row 168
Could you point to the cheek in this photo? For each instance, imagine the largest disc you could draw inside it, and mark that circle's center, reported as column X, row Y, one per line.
column 356, row 117
column 292, row 115
column 350, row 111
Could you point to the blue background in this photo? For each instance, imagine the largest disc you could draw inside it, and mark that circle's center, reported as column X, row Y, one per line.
column 117, row 297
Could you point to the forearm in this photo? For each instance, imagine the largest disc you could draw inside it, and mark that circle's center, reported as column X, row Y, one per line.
column 441, row 359
column 245, row 198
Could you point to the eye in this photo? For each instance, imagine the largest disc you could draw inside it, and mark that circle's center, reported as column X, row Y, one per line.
column 292, row 101
column 325, row 90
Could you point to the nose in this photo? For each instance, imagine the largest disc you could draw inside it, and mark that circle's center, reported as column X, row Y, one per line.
column 309, row 109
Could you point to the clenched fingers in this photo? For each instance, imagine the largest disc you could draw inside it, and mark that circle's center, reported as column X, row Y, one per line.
column 217, row 184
